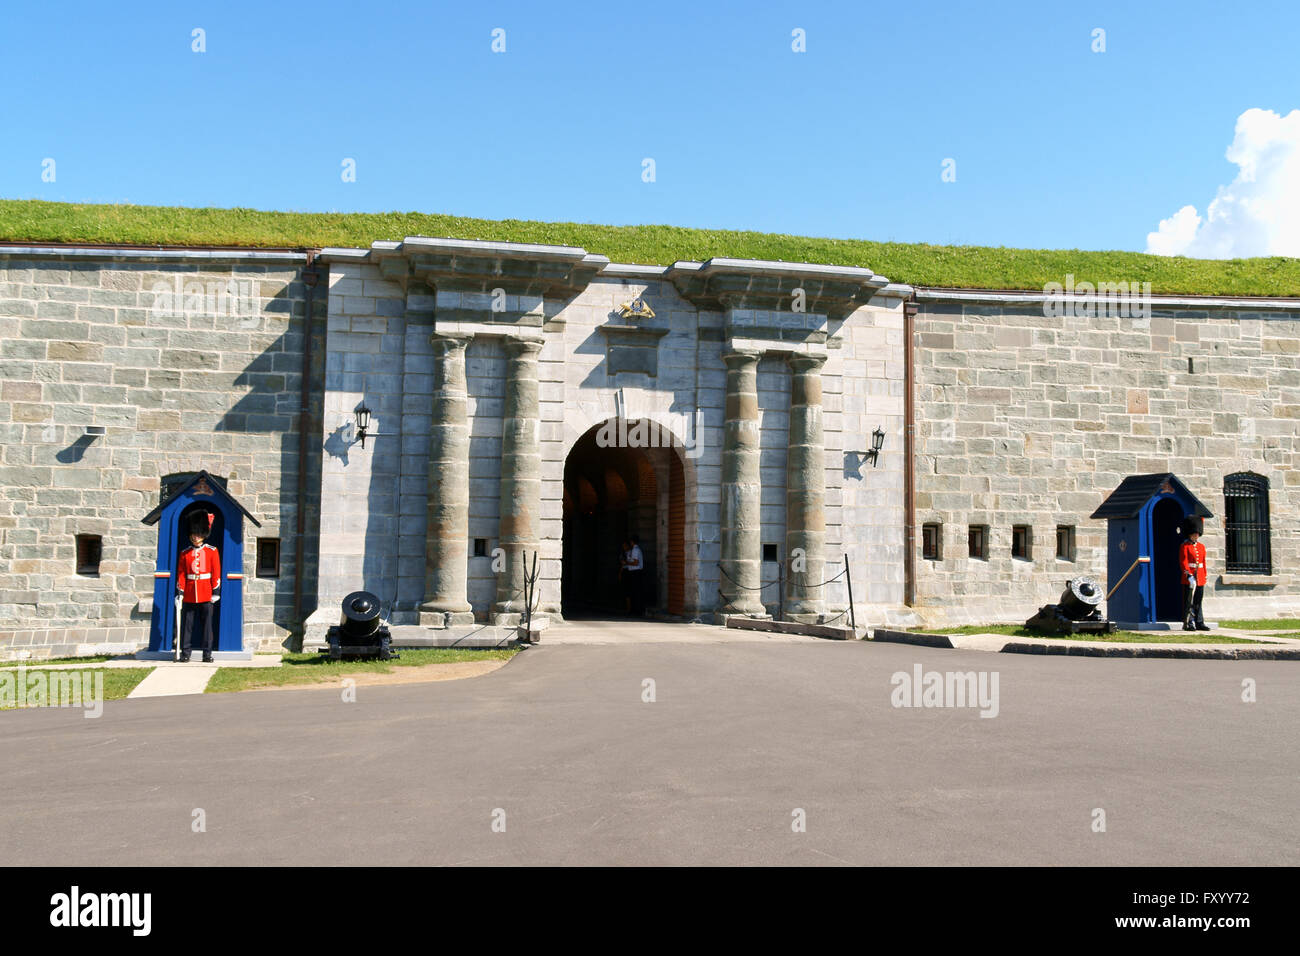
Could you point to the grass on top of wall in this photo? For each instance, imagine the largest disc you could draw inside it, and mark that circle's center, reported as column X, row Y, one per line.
column 974, row 267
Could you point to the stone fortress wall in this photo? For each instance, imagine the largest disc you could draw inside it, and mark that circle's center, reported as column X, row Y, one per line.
column 1029, row 418
column 123, row 367
column 186, row 360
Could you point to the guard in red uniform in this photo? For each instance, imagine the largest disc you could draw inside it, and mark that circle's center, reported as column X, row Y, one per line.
column 1192, row 559
column 198, row 580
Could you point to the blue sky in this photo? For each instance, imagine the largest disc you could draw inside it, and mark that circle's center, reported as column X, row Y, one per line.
column 1054, row 145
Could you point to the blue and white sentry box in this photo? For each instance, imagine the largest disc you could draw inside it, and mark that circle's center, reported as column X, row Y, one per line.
column 200, row 493
column 1148, row 516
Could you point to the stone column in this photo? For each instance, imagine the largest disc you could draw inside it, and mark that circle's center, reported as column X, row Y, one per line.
column 742, row 546
column 447, row 538
column 805, row 492
column 521, row 477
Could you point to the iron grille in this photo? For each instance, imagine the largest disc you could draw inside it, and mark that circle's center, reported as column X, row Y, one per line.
column 1245, row 507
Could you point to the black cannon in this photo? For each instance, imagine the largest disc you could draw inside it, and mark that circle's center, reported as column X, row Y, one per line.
column 1078, row 611
column 360, row 632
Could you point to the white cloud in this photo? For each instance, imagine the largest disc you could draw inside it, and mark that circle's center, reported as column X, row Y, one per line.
column 1175, row 233
column 1258, row 213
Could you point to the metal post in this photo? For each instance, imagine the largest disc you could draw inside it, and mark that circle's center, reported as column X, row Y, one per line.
column 780, row 591
column 523, row 618
column 530, row 583
column 848, row 577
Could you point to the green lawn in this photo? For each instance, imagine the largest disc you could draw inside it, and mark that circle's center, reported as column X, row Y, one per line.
column 1264, row 624
column 118, row 681
column 979, row 267
column 316, row 668
column 1120, row 637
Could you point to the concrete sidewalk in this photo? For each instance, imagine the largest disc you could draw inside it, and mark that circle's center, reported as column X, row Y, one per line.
column 175, row 680
column 634, row 631
column 259, row 660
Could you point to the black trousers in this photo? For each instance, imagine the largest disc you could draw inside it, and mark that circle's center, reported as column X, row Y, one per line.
column 203, row 614
column 634, row 585
column 1192, row 613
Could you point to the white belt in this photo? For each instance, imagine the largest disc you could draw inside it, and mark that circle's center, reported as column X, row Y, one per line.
column 1196, row 565
column 198, row 577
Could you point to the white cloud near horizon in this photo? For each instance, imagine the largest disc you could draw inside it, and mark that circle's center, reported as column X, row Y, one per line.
column 1258, row 213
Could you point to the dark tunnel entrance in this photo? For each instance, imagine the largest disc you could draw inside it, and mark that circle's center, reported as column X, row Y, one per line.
column 615, row 486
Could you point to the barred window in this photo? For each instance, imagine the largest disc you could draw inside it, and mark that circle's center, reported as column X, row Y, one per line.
column 1246, row 532
column 977, row 541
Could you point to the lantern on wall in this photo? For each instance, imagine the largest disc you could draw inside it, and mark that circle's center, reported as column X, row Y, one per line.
column 877, row 443
column 363, row 423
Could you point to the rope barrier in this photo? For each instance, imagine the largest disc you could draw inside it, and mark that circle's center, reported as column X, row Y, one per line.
column 744, row 587
column 768, row 584
column 728, row 605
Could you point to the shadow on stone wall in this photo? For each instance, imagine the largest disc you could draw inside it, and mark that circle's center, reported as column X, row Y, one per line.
column 272, row 407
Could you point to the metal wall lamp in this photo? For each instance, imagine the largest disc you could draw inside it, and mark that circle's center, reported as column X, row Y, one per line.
column 877, row 443
column 363, row 424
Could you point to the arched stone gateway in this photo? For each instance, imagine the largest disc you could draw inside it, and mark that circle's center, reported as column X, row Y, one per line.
column 526, row 417
column 624, row 478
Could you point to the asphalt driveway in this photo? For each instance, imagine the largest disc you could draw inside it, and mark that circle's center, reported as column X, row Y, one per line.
column 561, row 747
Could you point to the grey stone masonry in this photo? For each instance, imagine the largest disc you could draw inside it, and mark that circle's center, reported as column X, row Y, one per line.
column 1031, row 418
column 187, row 360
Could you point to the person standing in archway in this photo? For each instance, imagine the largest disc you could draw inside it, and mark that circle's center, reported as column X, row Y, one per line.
column 635, row 564
column 624, row 582
column 1192, row 558
column 198, row 581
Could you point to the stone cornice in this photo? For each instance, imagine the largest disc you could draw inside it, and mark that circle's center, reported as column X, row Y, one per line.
column 721, row 284
column 470, row 265
column 531, row 269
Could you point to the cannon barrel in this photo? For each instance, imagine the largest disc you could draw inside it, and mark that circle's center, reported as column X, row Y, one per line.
column 360, row 620
column 1080, row 598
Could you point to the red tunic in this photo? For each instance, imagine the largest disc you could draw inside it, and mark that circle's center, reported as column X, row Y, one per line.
column 1192, row 558
column 199, row 574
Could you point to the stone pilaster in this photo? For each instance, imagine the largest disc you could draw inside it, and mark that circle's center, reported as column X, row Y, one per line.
column 742, row 548
column 447, row 536
column 805, row 492
column 521, row 478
